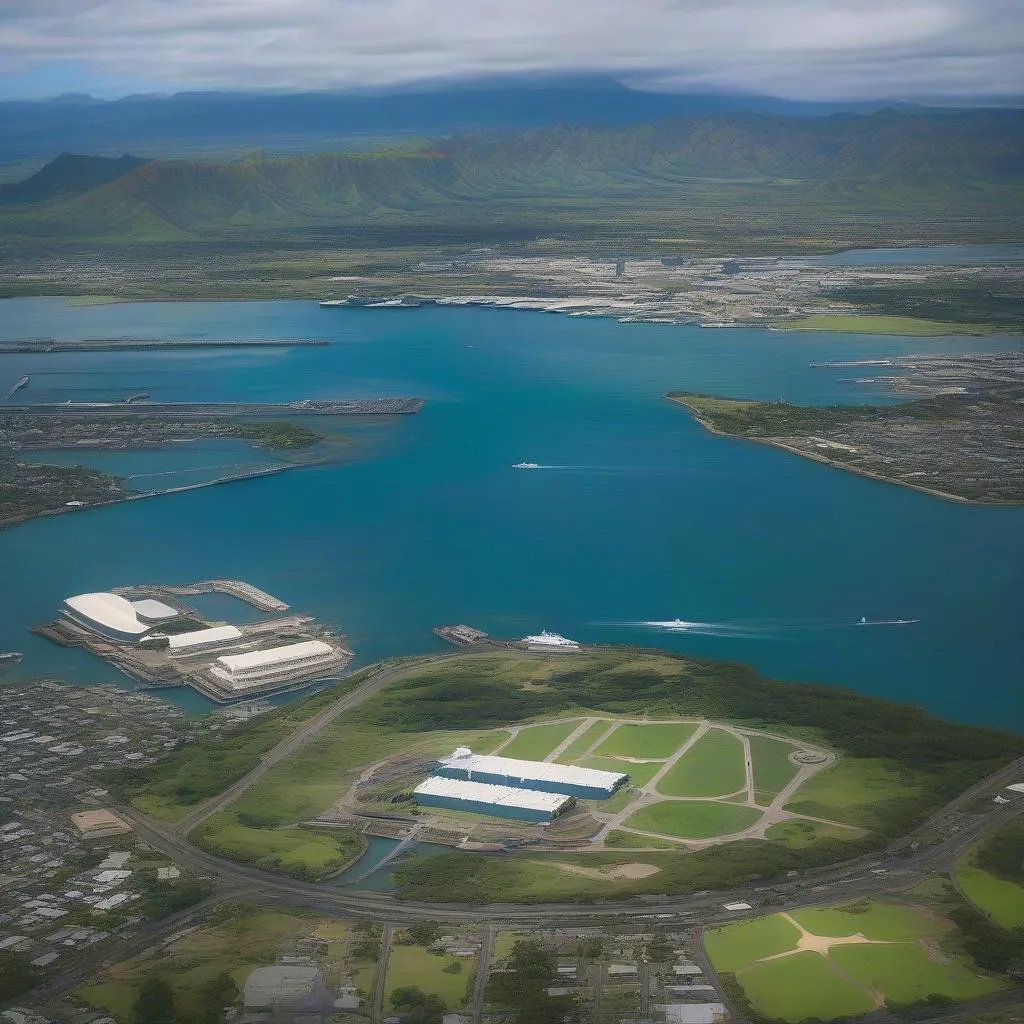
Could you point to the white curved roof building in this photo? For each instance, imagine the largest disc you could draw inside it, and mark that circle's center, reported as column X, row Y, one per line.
column 210, row 637
column 116, row 617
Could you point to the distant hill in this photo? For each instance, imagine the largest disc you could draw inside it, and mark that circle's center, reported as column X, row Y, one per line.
column 67, row 175
column 765, row 168
column 220, row 124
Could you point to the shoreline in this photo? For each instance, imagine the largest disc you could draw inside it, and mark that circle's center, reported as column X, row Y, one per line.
column 958, row 499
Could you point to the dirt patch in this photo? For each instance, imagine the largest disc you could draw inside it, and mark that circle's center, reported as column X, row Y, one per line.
column 933, row 952
column 610, row 873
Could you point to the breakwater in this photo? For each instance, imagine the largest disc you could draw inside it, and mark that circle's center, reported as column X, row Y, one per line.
column 304, row 407
column 50, row 345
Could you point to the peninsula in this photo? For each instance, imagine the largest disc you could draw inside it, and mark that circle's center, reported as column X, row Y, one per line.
column 962, row 442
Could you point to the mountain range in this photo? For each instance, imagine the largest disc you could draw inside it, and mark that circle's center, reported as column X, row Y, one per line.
column 752, row 164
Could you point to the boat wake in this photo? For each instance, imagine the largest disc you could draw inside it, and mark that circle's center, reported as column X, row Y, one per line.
column 757, row 629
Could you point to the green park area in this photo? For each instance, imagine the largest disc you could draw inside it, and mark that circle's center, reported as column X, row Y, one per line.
column 895, row 765
column 907, row 326
column 713, row 766
column 846, row 961
column 773, row 770
column 693, row 819
column 235, row 940
column 536, row 742
column 432, row 973
column 646, row 741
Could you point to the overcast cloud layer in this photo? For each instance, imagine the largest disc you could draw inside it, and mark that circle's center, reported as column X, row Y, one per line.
column 806, row 49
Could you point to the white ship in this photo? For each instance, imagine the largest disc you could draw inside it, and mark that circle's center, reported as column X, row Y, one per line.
column 526, row 465
column 553, row 640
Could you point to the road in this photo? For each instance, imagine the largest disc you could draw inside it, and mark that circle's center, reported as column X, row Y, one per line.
column 483, row 968
column 380, row 976
column 377, row 676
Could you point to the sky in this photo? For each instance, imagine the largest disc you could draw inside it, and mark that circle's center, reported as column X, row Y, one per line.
column 798, row 49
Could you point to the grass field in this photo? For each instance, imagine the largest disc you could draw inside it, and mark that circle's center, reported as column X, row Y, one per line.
column 857, row 791
column 655, row 741
column 772, row 768
column 696, row 819
column 868, row 324
column 619, row 840
column 803, row 986
column 1003, row 901
column 641, row 773
column 536, row 742
column 905, row 962
column 738, row 945
column 713, row 766
column 414, row 965
column 582, row 743
column 798, row 834
column 906, row 973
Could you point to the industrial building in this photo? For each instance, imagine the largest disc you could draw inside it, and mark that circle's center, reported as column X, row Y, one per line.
column 115, row 617
column 586, row 783
column 212, row 636
column 486, row 798
column 254, row 668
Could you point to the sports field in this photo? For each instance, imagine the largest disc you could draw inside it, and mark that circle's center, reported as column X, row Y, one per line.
column 845, row 961
column 535, row 743
column 654, row 741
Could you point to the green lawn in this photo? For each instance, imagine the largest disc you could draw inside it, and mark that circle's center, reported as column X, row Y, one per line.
column 738, row 945
column 693, row 819
column 802, row 986
column 536, row 742
column 858, row 791
column 798, row 834
column 713, row 766
column 873, row 919
column 619, row 840
column 641, row 773
column 581, row 744
column 1003, row 901
column 772, row 768
column 866, row 324
column 905, row 973
column 299, row 852
column 639, row 740
column 414, row 965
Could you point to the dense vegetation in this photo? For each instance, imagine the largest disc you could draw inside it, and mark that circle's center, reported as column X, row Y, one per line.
column 276, row 434
column 17, row 975
column 68, row 175
column 29, row 489
column 523, row 985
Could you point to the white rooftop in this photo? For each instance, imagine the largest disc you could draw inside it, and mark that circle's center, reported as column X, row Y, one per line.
column 153, row 609
column 694, row 1013
column 212, row 635
column 485, row 792
column 539, row 771
column 274, row 655
column 546, row 639
column 109, row 610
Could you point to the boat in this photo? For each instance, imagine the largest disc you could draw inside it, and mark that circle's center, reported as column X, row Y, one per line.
column 863, row 621
column 550, row 640
column 526, row 465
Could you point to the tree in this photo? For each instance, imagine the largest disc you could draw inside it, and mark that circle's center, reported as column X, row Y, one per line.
column 214, row 997
column 418, row 1007
column 155, row 1002
column 659, row 949
column 17, row 975
column 423, row 933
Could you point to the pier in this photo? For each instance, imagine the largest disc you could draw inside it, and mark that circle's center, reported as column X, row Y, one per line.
column 461, row 636
column 23, row 383
column 259, row 599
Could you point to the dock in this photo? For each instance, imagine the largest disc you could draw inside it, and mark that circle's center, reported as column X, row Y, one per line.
column 461, row 635
column 259, row 599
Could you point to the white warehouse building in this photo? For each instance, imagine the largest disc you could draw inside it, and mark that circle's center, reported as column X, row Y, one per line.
column 587, row 783
column 485, row 798
column 241, row 671
column 212, row 636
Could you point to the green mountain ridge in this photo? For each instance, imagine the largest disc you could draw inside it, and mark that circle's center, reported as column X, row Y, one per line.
column 558, row 177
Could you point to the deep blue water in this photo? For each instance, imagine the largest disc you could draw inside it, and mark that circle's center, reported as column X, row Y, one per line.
column 642, row 515
column 949, row 255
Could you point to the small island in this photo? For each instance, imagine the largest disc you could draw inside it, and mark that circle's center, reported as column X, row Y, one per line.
column 962, row 443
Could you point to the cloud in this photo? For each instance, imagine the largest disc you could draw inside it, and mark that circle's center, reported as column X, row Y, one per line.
column 806, row 49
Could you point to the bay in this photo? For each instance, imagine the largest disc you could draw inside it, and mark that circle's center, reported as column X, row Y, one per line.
column 640, row 516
